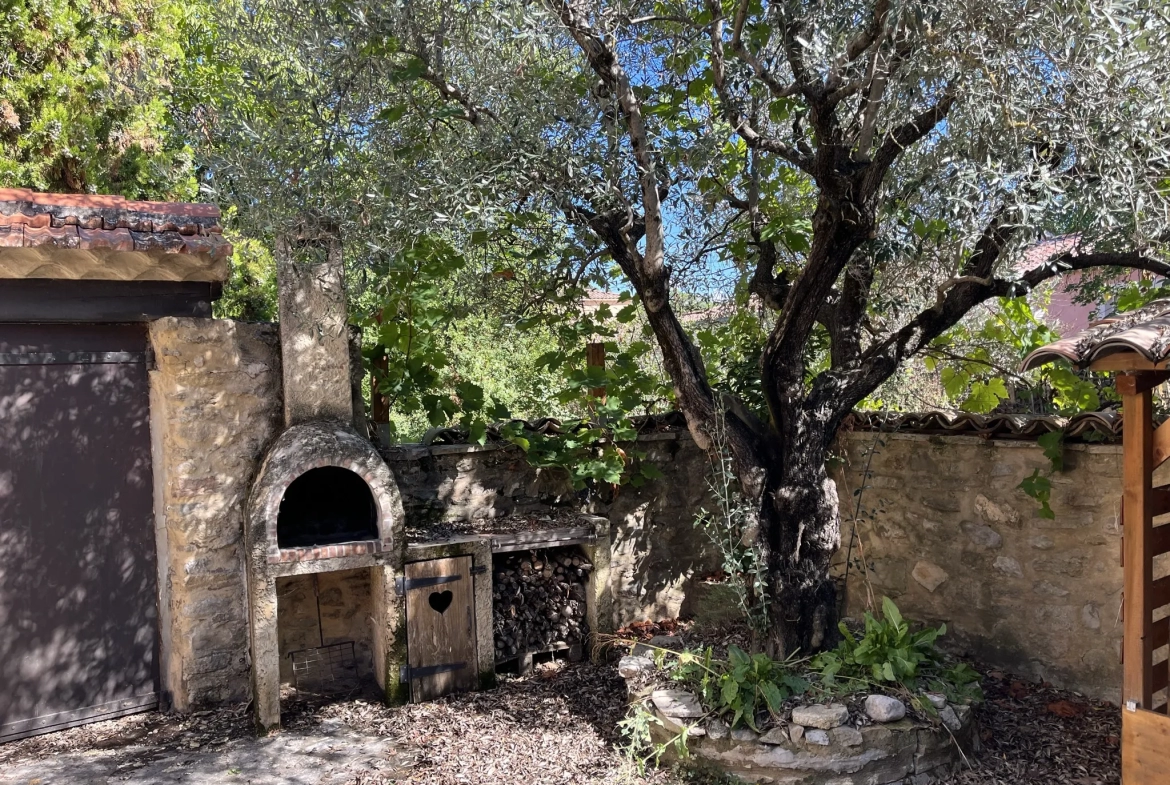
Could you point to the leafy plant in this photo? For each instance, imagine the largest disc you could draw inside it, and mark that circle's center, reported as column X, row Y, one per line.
column 1039, row 485
column 740, row 687
column 889, row 652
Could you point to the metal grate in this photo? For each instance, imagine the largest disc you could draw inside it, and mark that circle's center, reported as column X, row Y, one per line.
column 324, row 669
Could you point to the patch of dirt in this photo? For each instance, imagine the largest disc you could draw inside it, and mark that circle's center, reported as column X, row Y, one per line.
column 1034, row 733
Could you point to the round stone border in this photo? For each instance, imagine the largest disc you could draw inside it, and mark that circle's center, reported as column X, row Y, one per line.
column 902, row 752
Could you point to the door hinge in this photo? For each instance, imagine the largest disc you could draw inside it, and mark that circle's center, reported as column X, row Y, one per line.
column 403, row 585
column 409, row 673
column 479, row 569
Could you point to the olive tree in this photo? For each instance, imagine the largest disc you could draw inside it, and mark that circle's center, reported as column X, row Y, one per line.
column 923, row 145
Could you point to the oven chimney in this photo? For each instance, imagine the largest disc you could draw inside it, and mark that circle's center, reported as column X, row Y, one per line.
column 314, row 334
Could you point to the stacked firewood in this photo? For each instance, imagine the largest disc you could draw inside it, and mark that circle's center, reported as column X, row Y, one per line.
column 538, row 600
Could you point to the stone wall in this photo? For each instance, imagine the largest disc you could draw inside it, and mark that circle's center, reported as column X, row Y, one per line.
column 657, row 551
column 945, row 532
column 215, row 406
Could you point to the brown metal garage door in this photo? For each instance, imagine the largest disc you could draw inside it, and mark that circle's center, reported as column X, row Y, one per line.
column 78, row 616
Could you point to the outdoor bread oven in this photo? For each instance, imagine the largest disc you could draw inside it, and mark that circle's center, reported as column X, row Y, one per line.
column 324, row 518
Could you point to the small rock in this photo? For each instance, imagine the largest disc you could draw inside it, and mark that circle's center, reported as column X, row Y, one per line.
column 774, row 736
column 929, row 575
column 817, row 736
column 667, row 642
column 744, row 734
column 846, row 736
column 936, row 699
column 821, row 716
column 982, row 535
column 796, row 732
column 883, row 708
column 1008, row 566
column 676, row 703
column 717, row 729
column 950, row 719
column 630, row 667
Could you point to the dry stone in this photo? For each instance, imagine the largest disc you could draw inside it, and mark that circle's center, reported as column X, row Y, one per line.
column 929, row 575
column 630, row 667
column 774, row 736
column 717, row 729
column 817, row 736
column 846, row 736
column 678, row 704
column 744, row 734
column 884, row 708
column 1009, row 566
column 938, row 700
column 982, row 535
column 821, row 716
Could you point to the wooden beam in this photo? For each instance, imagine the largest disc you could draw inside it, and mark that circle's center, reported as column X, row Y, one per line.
column 1125, row 361
column 1145, row 737
column 94, row 302
column 1137, row 498
column 595, row 358
column 1140, row 381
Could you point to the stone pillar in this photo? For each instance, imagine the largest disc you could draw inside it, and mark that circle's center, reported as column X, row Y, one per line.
column 314, row 336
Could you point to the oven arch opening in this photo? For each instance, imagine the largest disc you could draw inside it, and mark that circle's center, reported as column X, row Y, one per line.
column 326, row 506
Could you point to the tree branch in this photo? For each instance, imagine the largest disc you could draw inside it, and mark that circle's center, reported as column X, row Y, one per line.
column 903, row 136
column 844, row 388
column 740, row 124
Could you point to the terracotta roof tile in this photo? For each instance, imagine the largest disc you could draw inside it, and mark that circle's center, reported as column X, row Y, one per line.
column 1089, row 426
column 1145, row 331
column 45, row 222
column 11, row 236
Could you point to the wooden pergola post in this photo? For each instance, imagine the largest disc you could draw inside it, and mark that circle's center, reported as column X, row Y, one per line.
column 1136, row 346
column 1137, row 557
column 1145, row 736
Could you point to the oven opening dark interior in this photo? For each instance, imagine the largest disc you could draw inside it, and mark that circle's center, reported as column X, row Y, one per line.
column 326, row 506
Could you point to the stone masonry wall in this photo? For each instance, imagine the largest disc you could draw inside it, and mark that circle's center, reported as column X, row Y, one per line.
column 657, row 551
column 215, row 406
column 945, row 532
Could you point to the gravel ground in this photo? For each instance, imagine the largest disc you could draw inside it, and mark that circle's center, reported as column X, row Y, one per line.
column 556, row 726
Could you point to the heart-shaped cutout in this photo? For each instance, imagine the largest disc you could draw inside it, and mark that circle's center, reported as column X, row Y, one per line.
column 441, row 600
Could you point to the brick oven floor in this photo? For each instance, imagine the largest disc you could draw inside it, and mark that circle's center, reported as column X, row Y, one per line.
column 554, row 727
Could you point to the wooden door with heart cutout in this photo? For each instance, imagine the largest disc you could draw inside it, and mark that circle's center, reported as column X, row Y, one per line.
column 440, row 627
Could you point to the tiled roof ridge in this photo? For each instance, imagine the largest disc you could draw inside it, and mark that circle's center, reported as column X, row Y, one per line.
column 1145, row 331
column 98, row 222
column 1086, row 426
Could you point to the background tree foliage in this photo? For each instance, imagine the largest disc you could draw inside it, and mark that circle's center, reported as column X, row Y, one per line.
column 86, row 97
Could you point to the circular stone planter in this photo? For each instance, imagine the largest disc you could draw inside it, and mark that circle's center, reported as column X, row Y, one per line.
column 905, row 752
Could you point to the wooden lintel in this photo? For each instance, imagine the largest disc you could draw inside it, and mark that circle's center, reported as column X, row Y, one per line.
column 1134, row 382
column 1127, row 361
